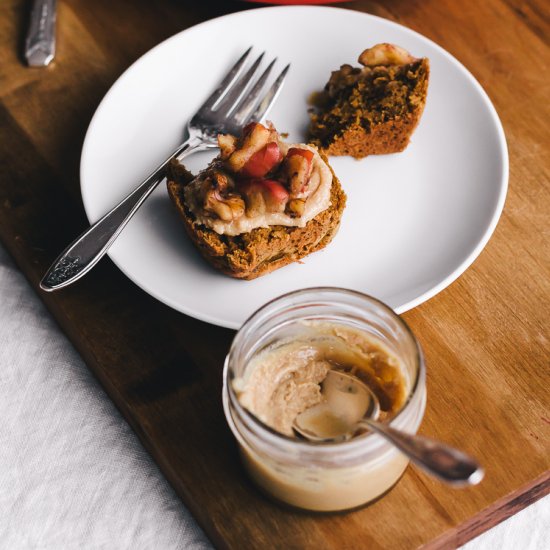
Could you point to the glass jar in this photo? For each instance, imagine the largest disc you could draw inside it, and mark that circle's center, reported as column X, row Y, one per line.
column 323, row 476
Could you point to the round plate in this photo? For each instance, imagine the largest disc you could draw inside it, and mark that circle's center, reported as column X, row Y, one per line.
column 414, row 220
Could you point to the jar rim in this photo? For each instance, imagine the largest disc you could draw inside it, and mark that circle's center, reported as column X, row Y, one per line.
column 363, row 440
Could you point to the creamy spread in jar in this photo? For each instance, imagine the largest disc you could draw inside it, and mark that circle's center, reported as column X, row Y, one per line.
column 275, row 370
column 260, row 181
column 285, row 379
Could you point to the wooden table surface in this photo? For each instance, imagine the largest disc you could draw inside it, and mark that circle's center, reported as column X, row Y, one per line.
column 485, row 337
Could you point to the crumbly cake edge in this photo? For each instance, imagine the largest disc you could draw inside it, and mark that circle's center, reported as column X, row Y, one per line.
column 262, row 250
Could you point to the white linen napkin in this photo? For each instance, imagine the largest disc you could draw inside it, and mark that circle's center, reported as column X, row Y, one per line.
column 72, row 472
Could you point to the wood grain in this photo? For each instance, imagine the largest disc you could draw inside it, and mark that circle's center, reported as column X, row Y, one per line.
column 486, row 337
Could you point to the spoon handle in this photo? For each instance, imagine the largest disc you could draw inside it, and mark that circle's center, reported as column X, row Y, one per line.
column 442, row 461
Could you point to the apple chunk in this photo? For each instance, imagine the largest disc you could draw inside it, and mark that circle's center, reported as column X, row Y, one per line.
column 255, row 137
column 263, row 161
column 306, row 153
column 227, row 144
column 297, row 167
column 263, row 195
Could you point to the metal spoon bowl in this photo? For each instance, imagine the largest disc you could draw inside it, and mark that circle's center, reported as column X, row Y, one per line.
column 350, row 405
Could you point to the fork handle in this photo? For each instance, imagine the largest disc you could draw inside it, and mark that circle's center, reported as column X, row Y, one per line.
column 87, row 249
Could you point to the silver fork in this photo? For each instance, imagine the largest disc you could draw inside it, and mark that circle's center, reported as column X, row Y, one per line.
column 233, row 104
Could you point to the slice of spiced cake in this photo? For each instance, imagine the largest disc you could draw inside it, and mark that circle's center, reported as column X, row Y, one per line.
column 260, row 205
column 373, row 109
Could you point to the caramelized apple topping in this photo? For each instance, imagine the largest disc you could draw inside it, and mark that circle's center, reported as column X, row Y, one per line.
column 227, row 144
column 263, row 195
column 251, row 178
column 297, row 169
column 254, row 138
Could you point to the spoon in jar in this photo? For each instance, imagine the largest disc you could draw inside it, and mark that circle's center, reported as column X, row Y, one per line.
column 350, row 405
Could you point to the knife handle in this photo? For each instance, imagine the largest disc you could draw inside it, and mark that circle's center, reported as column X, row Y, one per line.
column 40, row 42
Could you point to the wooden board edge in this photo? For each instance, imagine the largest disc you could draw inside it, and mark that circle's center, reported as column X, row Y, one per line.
column 487, row 518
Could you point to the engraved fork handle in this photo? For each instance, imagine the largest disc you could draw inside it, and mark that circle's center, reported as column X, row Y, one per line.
column 84, row 252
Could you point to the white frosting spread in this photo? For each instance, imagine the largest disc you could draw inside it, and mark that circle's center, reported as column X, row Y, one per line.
column 318, row 199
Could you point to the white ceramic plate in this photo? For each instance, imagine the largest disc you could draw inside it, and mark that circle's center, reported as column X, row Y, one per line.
column 414, row 221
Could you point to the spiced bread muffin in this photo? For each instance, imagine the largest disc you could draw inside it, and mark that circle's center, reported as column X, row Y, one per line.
column 260, row 205
column 373, row 109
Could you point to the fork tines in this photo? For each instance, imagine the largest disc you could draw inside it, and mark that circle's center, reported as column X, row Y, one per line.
column 236, row 98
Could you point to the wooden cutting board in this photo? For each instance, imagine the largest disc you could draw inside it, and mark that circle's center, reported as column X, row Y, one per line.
column 485, row 337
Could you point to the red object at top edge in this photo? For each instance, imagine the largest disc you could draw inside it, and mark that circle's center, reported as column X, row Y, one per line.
column 297, row 2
